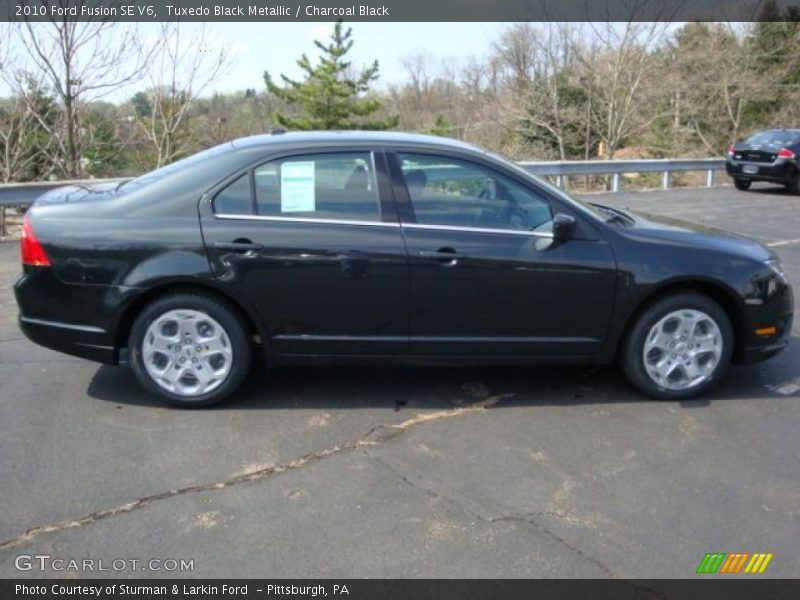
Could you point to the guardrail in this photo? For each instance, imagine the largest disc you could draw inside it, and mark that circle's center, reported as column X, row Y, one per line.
column 23, row 194
column 563, row 169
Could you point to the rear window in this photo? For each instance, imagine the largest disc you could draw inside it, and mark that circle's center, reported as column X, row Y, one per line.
column 772, row 139
column 189, row 161
column 337, row 186
column 234, row 199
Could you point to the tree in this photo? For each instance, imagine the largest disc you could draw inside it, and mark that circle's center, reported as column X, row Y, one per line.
column 548, row 103
column 731, row 79
column 79, row 62
column 23, row 141
column 618, row 71
column 441, row 126
column 180, row 75
column 330, row 97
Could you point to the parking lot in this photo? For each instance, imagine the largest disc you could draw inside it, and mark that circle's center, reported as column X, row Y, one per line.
column 409, row 472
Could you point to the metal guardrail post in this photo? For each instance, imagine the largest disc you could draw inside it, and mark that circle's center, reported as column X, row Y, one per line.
column 665, row 180
column 615, row 182
column 2, row 221
column 710, row 178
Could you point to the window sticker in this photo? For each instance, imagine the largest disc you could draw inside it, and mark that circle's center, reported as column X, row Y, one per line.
column 297, row 187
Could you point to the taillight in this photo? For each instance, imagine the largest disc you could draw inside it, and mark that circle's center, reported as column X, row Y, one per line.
column 30, row 249
column 731, row 150
column 785, row 153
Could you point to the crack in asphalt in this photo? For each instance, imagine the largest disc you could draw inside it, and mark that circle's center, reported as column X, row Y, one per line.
column 525, row 519
column 378, row 434
column 529, row 520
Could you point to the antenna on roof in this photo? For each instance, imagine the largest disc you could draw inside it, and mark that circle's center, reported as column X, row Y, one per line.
column 278, row 130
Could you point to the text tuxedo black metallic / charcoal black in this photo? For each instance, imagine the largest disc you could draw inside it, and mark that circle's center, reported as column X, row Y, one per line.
column 375, row 247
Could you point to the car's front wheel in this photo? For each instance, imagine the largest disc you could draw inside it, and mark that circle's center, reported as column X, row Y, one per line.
column 189, row 349
column 742, row 184
column 678, row 347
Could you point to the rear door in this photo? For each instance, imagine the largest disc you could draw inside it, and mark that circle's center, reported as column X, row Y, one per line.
column 313, row 241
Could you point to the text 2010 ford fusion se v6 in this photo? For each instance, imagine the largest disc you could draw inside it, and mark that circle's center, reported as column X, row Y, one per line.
column 376, row 247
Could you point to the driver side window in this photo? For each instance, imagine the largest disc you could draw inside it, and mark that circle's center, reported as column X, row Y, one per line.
column 451, row 192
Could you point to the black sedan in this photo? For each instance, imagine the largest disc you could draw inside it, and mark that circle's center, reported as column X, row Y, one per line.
column 770, row 155
column 309, row 248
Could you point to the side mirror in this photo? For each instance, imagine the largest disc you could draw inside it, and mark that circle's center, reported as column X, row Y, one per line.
column 563, row 228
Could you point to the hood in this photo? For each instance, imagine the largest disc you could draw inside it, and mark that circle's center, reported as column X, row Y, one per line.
column 702, row 237
column 80, row 193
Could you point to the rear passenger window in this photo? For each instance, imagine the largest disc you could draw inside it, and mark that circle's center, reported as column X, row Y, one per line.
column 319, row 186
column 234, row 199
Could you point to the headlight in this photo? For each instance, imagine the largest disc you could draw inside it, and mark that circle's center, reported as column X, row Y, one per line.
column 768, row 285
column 777, row 268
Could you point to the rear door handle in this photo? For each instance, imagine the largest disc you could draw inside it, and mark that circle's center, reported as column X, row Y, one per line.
column 238, row 246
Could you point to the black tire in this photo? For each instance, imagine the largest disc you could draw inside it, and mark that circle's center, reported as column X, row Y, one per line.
column 632, row 359
column 742, row 184
column 235, row 330
column 794, row 185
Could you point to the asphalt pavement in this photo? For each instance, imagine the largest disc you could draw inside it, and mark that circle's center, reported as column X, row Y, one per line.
column 407, row 472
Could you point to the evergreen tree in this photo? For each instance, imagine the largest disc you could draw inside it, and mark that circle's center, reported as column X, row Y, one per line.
column 329, row 97
column 441, row 127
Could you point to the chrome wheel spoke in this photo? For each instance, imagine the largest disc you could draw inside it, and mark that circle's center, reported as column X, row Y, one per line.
column 682, row 349
column 215, row 345
column 187, row 352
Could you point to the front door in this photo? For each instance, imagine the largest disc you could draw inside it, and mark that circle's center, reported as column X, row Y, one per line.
column 486, row 278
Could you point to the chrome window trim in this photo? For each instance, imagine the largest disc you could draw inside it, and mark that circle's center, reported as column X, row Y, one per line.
column 227, row 216
column 539, row 234
column 304, row 220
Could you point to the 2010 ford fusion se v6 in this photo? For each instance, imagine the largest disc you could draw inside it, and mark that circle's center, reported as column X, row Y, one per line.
column 351, row 247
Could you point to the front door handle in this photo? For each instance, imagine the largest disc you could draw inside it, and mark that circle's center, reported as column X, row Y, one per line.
column 447, row 257
column 238, row 246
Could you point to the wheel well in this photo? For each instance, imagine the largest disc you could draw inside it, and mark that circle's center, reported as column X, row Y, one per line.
column 129, row 316
column 715, row 292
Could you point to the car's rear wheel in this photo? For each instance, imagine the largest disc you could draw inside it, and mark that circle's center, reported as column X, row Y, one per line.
column 794, row 185
column 678, row 347
column 189, row 349
column 742, row 184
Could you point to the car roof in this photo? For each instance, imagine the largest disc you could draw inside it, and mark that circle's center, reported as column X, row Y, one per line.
column 300, row 138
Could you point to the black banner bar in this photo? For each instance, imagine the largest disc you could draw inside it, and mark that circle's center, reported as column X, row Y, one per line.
column 401, row 589
column 397, row 10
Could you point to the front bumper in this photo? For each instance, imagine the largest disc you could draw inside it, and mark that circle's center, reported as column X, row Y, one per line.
column 778, row 312
column 781, row 171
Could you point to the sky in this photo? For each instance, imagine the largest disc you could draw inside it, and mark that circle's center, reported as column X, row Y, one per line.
column 276, row 46
column 256, row 47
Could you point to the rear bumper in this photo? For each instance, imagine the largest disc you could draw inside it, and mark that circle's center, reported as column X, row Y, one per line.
column 781, row 171
column 84, row 341
column 77, row 319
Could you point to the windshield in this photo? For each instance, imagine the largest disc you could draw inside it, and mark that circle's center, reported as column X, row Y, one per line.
column 153, row 176
column 773, row 139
